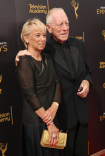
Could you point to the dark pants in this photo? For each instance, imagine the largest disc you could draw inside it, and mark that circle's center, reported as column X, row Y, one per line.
column 77, row 140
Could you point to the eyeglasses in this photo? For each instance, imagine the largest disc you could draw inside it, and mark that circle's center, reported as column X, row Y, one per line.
column 60, row 25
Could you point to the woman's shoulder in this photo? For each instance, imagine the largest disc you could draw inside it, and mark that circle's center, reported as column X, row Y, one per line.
column 26, row 60
column 25, row 57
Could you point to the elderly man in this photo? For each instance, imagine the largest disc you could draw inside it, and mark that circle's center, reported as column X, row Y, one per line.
column 71, row 66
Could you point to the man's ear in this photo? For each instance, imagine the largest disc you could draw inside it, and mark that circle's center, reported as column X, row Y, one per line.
column 49, row 28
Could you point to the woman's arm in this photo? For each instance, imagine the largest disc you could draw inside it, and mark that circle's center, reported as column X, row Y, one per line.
column 55, row 104
column 26, row 80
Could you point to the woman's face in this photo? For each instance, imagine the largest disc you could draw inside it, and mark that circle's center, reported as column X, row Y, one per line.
column 37, row 39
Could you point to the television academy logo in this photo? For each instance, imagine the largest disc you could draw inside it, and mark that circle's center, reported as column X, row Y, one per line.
column 79, row 37
column 101, row 10
column 3, row 149
column 39, row 8
column 3, row 47
column 73, row 3
column 103, row 33
column 7, row 116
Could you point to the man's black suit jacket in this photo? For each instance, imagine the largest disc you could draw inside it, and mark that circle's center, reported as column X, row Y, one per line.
column 72, row 107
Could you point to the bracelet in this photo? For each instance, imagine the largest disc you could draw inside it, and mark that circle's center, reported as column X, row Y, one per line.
column 51, row 123
column 57, row 104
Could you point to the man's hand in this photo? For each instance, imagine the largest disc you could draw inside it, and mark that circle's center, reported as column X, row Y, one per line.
column 83, row 89
column 21, row 53
column 50, row 113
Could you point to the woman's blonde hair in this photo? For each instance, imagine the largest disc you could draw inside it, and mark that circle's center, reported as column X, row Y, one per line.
column 26, row 30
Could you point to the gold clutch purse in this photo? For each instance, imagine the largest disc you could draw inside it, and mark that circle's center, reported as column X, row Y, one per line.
column 60, row 144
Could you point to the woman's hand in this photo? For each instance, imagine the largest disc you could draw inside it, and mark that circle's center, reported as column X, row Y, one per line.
column 47, row 117
column 50, row 114
column 53, row 134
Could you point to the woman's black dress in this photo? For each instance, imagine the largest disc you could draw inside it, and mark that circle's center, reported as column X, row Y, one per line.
column 40, row 87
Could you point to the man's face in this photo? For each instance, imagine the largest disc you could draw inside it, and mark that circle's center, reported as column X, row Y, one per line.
column 59, row 27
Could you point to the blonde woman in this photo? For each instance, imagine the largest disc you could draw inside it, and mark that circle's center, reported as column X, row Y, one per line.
column 40, row 91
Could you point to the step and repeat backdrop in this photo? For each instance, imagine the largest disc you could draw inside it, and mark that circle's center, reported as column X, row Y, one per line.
column 87, row 23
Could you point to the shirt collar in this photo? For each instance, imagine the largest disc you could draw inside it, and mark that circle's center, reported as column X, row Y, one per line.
column 57, row 43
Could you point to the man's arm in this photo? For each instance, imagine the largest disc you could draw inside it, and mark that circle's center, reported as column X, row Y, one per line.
column 21, row 53
column 87, row 82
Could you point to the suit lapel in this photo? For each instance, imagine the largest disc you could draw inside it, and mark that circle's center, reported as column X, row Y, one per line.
column 59, row 60
column 57, row 57
column 74, row 52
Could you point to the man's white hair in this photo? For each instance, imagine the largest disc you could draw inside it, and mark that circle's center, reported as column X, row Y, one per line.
column 49, row 19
